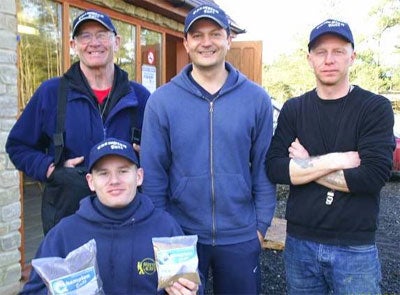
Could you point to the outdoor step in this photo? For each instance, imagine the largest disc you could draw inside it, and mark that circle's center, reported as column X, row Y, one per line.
column 276, row 235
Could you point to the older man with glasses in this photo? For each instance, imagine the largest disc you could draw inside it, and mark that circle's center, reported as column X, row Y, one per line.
column 99, row 102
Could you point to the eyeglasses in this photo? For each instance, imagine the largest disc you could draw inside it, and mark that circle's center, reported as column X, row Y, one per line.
column 87, row 37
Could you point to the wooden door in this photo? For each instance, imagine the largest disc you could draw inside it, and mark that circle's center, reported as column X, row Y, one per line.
column 247, row 57
column 176, row 56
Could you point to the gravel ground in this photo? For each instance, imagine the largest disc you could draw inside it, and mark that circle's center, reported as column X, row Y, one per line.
column 388, row 241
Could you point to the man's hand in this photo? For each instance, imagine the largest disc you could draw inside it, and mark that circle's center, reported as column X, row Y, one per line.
column 50, row 170
column 260, row 237
column 296, row 150
column 74, row 162
column 136, row 147
column 183, row 287
column 69, row 163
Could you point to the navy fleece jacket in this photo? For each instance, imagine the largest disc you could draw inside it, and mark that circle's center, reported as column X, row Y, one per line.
column 125, row 253
column 30, row 142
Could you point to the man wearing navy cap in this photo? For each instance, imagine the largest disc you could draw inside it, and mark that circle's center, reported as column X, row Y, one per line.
column 333, row 145
column 100, row 102
column 121, row 220
column 205, row 138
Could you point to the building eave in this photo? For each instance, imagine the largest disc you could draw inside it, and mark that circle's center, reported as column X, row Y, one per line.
column 178, row 9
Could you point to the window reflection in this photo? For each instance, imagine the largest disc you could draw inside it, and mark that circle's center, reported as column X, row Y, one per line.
column 73, row 13
column 126, row 55
column 39, row 47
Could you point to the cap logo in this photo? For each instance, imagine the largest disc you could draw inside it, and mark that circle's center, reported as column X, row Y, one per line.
column 114, row 145
column 96, row 16
column 206, row 10
column 91, row 14
column 331, row 24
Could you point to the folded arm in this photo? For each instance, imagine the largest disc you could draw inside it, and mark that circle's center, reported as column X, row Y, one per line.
column 326, row 170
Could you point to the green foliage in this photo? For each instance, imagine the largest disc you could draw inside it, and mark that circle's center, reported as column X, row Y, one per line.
column 387, row 13
column 289, row 76
column 367, row 73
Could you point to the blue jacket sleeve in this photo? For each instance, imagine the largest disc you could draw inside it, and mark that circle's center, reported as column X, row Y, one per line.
column 264, row 191
column 29, row 138
column 155, row 157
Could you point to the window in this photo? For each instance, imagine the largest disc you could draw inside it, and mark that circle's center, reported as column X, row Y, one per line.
column 39, row 48
column 126, row 55
column 150, row 43
column 43, row 48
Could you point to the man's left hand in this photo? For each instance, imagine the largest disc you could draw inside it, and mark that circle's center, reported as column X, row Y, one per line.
column 183, row 287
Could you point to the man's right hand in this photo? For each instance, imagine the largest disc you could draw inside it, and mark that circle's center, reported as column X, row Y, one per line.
column 69, row 163
column 74, row 162
column 50, row 170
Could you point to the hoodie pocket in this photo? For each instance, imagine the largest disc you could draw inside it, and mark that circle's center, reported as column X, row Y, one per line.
column 231, row 197
column 193, row 193
column 233, row 201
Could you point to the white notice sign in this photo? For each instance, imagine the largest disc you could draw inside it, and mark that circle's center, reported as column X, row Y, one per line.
column 149, row 75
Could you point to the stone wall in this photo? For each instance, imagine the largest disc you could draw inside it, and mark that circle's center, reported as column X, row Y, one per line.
column 10, row 207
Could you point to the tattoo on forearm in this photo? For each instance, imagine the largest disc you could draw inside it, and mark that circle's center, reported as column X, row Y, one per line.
column 304, row 163
column 336, row 178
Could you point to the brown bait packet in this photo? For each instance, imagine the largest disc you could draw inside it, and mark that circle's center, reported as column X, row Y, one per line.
column 176, row 257
column 76, row 274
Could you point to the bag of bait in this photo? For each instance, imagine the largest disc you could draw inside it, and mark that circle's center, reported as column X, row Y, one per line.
column 76, row 274
column 176, row 257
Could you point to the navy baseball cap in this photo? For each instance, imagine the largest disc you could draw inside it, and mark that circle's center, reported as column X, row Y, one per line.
column 207, row 11
column 112, row 146
column 331, row 26
column 94, row 15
